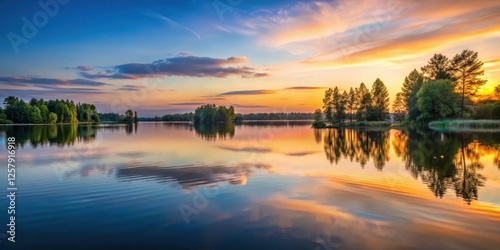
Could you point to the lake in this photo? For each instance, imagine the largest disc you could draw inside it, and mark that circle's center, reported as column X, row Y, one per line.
column 257, row 185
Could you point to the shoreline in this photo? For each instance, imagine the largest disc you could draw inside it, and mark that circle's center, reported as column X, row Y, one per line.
column 50, row 124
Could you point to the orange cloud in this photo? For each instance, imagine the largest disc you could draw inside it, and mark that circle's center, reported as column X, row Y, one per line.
column 365, row 32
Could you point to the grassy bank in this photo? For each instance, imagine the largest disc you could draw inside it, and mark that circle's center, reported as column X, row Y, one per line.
column 466, row 125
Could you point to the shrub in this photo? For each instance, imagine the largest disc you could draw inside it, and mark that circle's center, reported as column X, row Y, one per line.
column 319, row 124
column 484, row 111
column 495, row 113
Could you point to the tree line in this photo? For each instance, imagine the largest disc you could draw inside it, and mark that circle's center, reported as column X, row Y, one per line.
column 359, row 103
column 186, row 117
column 209, row 113
column 129, row 117
column 274, row 116
column 238, row 117
column 38, row 111
column 445, row 88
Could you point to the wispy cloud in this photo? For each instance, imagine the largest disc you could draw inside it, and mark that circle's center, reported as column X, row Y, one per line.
column 49, row 88
column 213, row 98
column 305, row 88
column 49, row 93
column 40, row 81
column 172, row 23
column 109, row 74
column 187, row 103
column 131, row 88
column 248, row 106
column 268, row 91
column 249, row 92
column 84, row 68
column 182, row 65
column 344, row 32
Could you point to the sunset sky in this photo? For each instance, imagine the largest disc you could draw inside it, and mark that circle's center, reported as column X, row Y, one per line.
column 171, row 56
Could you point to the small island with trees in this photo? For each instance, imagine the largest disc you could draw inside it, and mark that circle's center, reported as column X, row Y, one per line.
column 211, row 113
column 442, row 95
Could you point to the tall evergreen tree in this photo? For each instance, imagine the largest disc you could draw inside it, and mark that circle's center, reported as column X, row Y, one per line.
column 136, row 119
column 129, row 116
column 398, row 107
column 351, row 103
column 380, row 98
column 466, row 68
column 364, row 100
column 327, row 105
column 411, row 85
column 318, row 115
column 339, row 105
column 438, row 67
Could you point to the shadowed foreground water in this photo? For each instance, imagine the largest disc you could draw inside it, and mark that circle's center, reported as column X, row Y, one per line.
column 257, row 185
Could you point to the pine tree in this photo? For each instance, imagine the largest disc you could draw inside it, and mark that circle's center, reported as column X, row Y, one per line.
column 438, row 67
column 364, row 100
column 327, row 105
column 411, row 85
column 380, row 98
column 351, row 103
column 466, row 68
column 398, row 107
column 339, row 105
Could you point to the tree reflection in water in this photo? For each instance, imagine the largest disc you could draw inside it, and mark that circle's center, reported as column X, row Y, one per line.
column 60, row 135
column 357, row 145
column 443, row 161
column 216, row 131
column 40, row 135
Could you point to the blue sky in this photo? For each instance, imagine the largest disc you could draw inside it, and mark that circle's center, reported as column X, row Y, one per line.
column 100, row 52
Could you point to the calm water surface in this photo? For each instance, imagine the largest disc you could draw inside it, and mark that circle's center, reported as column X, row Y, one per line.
column 259, row 185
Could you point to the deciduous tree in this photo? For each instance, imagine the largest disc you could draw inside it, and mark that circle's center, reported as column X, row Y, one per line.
column 437, row 100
